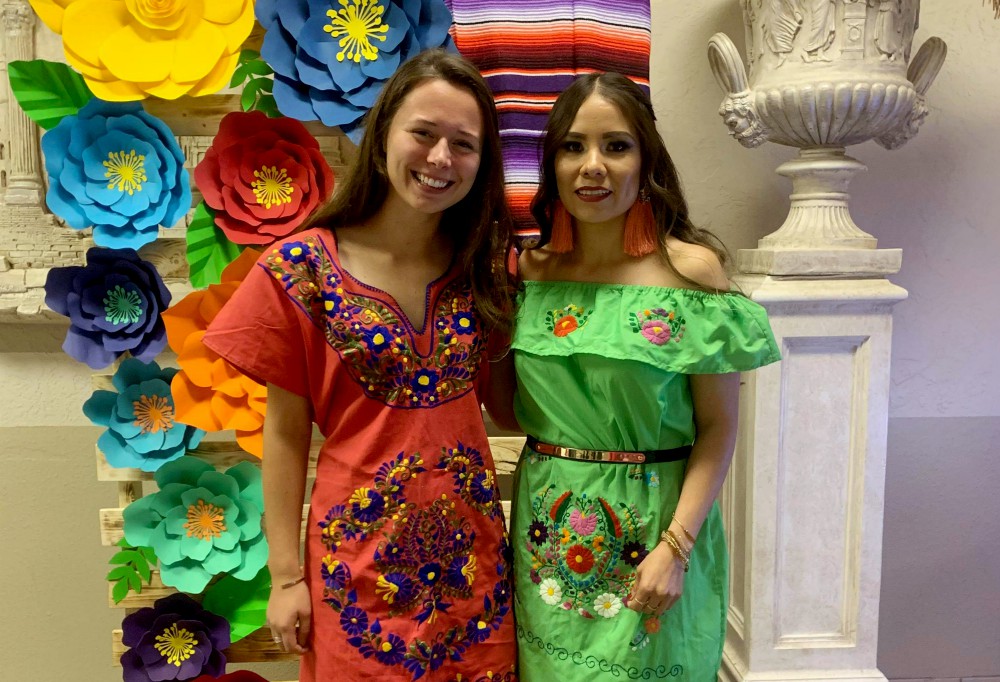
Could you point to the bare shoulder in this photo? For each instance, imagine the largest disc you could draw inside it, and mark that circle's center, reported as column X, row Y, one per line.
column 698, row 263
column 534, row 264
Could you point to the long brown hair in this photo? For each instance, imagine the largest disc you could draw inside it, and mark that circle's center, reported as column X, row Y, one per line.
column 660, row 179
column 479, row 226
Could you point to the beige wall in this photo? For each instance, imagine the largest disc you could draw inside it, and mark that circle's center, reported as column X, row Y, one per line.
column 938, row 199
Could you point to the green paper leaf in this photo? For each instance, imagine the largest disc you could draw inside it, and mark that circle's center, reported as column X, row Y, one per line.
column 126, row 556
column 144, row 570
column 148, row 553
column 47, row 91
column 267, row 104
column 119, row 591
column 249, row 97
column 242, row 603
column 119, row 573
column 208, row 250
column 135, row 582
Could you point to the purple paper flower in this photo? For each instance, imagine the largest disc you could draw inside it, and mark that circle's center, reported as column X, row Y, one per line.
column 656, row 331
column 176, row 639
column 330, row 64
column 113, row 166
column 113, row 304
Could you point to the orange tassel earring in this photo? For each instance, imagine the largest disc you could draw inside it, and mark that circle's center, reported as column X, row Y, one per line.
column 640, row 227
column 561, row 239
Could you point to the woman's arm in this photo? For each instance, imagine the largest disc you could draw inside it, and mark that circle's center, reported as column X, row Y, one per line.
column 498, row 392
column 660, row 576
column 287, row 434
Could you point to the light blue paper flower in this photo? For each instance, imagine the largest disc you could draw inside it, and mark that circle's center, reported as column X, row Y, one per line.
column 139, row 415
column 201, row 523
column 116, row 168
column 330, row 59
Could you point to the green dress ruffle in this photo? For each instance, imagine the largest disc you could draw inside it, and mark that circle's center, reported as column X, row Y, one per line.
column 606, row 367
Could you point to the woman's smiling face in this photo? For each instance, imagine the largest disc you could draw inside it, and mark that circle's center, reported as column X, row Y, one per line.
column 598, row 165
column 434, row 146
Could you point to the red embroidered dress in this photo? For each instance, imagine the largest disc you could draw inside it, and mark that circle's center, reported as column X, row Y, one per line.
column 406, row 554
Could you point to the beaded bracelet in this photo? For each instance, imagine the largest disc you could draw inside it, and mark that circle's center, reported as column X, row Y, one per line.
column 668, row 537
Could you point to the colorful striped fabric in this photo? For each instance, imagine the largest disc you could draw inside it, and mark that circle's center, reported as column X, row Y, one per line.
column 529, row 51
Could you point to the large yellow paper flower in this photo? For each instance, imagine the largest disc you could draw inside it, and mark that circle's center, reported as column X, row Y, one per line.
column 133, row 49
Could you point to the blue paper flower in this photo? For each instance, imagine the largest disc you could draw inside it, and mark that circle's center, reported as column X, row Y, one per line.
column 330, row 63
column 141, row 430
column 113, row 304
column 201, row 523
column 116, row 168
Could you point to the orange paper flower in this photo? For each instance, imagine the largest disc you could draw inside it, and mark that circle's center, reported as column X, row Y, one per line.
column 210, row 393
column 133, row 49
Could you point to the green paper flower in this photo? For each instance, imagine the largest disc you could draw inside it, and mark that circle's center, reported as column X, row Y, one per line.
column 201, row 523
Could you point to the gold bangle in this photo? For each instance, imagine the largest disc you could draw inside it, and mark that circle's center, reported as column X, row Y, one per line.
column 293, row 583
column 675, row 547
column 673, row 517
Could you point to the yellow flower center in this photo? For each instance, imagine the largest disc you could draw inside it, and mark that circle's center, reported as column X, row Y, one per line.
column 153, row 413
column 386, row 647
column 175, row 644
column 360, row 498
column 386, row 589
column 272, row 187
column 125, row 171
column 205, row 521
column 469, row 570
column 355, row 26
column 167, row 15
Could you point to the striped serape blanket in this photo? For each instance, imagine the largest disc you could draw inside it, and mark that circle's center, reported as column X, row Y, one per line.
column 531, row 50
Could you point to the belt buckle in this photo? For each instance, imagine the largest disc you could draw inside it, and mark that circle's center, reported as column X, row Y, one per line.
column 626, row 457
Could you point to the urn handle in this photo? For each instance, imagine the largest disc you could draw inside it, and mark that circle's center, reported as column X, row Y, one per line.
column 923, row 69
column 737, row 110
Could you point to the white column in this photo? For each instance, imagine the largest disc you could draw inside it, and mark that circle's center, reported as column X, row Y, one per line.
column 804, row 501
column 24, row 181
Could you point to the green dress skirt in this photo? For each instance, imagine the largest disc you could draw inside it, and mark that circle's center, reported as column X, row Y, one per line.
column 605, row 367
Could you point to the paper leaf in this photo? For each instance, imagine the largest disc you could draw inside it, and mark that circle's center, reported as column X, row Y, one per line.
column 119, row 591
column 47, row 91
column 208, row 250
column 242, row 603
column 119, row 573
column 135, row 566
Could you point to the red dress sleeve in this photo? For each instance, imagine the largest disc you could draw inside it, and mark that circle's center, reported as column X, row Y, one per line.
column 264, row 333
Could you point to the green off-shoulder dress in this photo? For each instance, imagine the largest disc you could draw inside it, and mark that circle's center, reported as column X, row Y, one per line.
column 605, row 367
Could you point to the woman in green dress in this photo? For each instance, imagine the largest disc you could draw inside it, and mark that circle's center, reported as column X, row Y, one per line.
column 627, row 348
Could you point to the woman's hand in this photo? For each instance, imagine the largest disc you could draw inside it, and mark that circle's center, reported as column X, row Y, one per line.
column 659, row 582
column 287, row 608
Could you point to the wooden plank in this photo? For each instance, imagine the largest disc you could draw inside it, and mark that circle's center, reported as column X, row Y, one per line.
column 255, row 648
column 226, row 453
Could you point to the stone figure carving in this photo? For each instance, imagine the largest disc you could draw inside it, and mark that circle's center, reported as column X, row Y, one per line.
column 822, row 29
column 784, row 22
column 889, row 28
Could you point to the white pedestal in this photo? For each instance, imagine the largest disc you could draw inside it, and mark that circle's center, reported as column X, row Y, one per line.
column 804, row 499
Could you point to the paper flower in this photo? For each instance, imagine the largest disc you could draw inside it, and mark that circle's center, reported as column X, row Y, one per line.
column 176, row 639
column 201, row 523
column 238, row 676
column 330, row 64
column 209, row 392
column 133, row 49
column 264, row 177
column 141, row 430
column 113, row 304
column 117, row 168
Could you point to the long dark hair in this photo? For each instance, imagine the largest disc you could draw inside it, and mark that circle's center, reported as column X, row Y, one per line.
column 660, row 179
column 479, row 226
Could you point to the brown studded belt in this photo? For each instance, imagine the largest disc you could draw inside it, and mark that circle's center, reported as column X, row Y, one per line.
column 609, row 456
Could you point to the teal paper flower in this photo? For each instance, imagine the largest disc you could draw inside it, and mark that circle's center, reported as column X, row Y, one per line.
column 116, row 168
column 201, row 523
column 139, row 415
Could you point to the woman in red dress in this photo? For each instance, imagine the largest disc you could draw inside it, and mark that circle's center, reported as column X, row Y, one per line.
column 374, row 326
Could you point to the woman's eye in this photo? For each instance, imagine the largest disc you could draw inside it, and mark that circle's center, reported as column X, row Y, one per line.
column 421, row 133
column 465, row 146
column 572, row 147
column 619, row 146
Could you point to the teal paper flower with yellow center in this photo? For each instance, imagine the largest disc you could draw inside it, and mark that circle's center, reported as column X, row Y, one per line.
column 330, row 58
column 116, row 168
column 201, row 523
column 139, row 416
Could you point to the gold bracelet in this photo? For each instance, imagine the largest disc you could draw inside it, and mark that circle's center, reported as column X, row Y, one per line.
column 675, row 547
column 673, row 517
column 293, row 583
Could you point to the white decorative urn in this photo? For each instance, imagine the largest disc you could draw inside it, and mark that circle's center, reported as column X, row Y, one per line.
column 825, row 74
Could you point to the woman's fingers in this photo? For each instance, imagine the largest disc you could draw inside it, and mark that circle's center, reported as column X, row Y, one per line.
column 305, row 625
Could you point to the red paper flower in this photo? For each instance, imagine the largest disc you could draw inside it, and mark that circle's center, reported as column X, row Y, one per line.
column 263, row 176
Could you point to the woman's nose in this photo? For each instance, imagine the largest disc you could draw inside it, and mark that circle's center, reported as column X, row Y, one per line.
column 440, row 154
column 593, row 165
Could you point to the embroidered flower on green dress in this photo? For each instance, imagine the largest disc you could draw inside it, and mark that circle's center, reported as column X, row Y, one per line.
column 658, row 325
column 201, row 523
column 564, row 321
